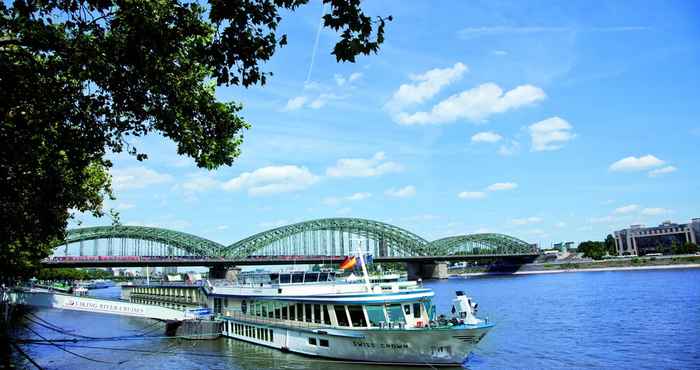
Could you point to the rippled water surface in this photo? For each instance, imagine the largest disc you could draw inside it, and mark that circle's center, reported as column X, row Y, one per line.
column 644, row 319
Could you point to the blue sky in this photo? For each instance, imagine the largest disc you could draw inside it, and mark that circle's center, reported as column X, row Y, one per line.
column 549, row 121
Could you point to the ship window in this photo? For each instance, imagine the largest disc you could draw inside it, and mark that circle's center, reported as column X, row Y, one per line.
column 357, row 316
column 341, row 316
column 274, row 278
column 284, row 313
column 266, row 334
column 300, row 312
column 277, row 310
column 395, row 313
column 311, row 277
column 323, row 276
column 257, row 309
column 407, row 309
column 326, row 316
column 284, row 279
column 375, row 314
column 312, row 341
column 307, row 312
column 272, row 337
column 323, row 342
column 317, row 314
column 292, row 312
column 298, row 277
column 264, row 310
column 416, row 310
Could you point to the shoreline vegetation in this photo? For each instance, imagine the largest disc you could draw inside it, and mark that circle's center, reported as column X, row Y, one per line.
column 633, row 264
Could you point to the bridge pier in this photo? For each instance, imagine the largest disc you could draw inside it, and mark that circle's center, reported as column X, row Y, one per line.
column 429, row 270
column 224, row 272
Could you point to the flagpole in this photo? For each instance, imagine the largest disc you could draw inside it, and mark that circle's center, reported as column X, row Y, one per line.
column 364, row 269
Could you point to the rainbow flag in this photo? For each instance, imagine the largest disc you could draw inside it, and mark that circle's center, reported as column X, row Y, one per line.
column 348, row 263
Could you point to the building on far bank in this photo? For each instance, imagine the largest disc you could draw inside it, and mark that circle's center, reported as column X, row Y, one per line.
column 563, row 246
column 640, row 240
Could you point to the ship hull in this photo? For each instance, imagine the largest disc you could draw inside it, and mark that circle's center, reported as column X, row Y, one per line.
column 437, row 347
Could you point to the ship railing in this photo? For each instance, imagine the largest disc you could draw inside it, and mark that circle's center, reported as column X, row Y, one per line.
column 239, row 316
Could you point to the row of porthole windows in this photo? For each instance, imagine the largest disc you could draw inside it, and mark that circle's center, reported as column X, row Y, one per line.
column 251, row 331
column 159, row 303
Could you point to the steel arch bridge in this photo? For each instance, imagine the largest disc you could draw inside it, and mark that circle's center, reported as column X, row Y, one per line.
column 140, row 241
column 479, row 244
column 328, row 237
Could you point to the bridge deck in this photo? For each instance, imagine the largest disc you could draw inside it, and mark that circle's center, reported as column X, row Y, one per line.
column 275, row 260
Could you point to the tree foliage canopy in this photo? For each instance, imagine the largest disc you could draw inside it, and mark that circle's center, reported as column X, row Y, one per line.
column 79, row 77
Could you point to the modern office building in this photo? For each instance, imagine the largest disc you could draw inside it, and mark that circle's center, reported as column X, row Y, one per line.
column 640, row 240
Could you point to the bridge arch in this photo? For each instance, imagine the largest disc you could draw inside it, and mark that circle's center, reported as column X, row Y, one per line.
column 139, row 240
column 475, row 244
column 330, row 237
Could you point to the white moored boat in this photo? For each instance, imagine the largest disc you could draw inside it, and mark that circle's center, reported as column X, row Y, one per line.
column 313, row 314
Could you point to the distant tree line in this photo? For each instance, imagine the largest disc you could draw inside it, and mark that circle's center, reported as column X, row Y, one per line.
column 57, row 274
column 599, row 249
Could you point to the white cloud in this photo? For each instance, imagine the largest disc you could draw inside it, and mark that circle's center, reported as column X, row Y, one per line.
column 637, row 164
column 486, row 137
column 526, row 221
column 354, row 76
column 341, row 80
column 334, row 201
column 475, row 104
column 662, row 171
column 499, row 186
column 273, row 224
column 404, row 192
column 471, row 32
column 295, row 103
column 626, row 209
column 550, row 134
column 425, row 86
column 655, row 211
column 124, row 206
column 600, row 220
column 198, row 183
column 361, row 167
column 175, row 224
column 359, row 196
column 510, row 148
column 499, row 52
column 321, row 100
column 137, row 178
column 472, row 195
column 272, row 180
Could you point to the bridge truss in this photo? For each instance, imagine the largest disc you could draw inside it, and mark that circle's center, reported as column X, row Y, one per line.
column 136, row 241
column 322, row 237
column 330, row 237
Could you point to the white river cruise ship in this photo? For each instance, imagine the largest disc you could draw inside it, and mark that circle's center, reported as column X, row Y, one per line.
column 314, row 314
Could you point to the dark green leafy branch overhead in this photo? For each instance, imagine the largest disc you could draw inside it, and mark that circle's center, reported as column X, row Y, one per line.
column 80, row 78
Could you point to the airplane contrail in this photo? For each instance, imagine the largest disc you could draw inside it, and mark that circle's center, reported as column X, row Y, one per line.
column 318, row 35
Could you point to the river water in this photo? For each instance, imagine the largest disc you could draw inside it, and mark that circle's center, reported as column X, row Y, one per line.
column 628, row 320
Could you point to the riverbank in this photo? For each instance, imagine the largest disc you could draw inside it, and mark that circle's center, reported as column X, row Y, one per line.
column 630, row 268
column 633, row 264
